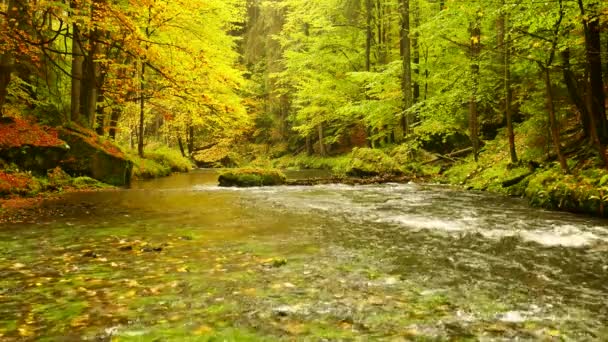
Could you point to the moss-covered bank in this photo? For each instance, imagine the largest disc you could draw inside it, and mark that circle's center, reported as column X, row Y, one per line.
column 159, row 162
column 252, row 177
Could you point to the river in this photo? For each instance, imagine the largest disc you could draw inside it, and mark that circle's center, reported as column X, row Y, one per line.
column 179, row 258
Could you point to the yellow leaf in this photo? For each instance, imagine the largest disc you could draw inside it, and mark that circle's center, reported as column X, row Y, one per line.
column 80, row 321
column 25, row 331
column 132, row 283
column 203, row 330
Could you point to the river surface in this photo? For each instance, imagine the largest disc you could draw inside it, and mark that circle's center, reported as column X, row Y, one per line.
column 180, row 259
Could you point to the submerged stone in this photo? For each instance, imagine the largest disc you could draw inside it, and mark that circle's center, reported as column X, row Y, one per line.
column 251, row 178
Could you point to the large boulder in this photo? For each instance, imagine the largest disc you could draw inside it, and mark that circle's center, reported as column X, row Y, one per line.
column 92, row 156
column 30, row 146
column 252, row 177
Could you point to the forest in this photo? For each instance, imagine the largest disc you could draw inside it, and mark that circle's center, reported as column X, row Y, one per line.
column 420, row 85
column 403, row 170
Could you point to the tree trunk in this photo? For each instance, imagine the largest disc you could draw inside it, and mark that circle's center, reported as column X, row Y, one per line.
column 142, row 105
column 190, row 139
column 369, row 35
column 504, row 45
column 114, row 122
column 406, row 76
column 322, row 149
column 309, row 149
column 77, row 61
column 91, row 75
column 7, row 61
column 180, row 142
column 100, row 117
column 575, row 94
column 6, row 68
column 553, row 120
column 597, row 107
column 475, row 51
column 416, row 50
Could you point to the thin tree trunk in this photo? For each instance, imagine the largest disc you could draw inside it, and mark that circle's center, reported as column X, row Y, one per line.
column 406, row 76
column 190, row 139
column 475, row 51
column 92, row 91
column 504, row 45
column 369, row 35
column 597, row 108
column 180, row 142
column 426, row 73
column 77, row 74
column 595, row 139
column 6, row 68
column 322, row 149
column 100, row 117
column 575, row 94
column 309, row 149
column 553, row 120
column 114, row 122
column 416, row 50
column 142, row 104
column 7, row 61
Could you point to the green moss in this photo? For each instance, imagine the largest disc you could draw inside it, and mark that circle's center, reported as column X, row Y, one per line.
column 371, row 162
column 147, row 168
column 252, row 177
column 337, row 164
column 87, row 183
column 170, row 158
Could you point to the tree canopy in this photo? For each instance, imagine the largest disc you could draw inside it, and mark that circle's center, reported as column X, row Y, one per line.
column 312, row 74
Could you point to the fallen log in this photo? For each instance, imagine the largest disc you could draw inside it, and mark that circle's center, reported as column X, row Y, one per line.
column 450, row 156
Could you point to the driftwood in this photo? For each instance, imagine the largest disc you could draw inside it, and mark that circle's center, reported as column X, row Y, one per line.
column 516, row 180
column 450, row 156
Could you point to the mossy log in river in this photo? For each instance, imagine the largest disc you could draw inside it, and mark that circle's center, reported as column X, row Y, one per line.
column 261, row 177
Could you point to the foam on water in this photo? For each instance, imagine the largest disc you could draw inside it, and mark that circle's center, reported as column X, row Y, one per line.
column 415, row 207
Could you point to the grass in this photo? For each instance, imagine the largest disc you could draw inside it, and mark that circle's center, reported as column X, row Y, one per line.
column 171, row 158
column 158, row 162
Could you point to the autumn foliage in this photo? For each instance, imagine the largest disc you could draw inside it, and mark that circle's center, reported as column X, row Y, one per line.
column 21, row 132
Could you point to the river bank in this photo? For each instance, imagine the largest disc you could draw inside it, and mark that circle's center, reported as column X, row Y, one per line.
column 583, row 190
column 39, row 161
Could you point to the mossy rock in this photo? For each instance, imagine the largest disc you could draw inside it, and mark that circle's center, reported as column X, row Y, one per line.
column 252, row 177
column 367, row 162
column 87, row 183
column 91, row 156
column 37, row 159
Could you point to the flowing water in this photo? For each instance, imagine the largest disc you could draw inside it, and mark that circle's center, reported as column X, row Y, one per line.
column 179, row 259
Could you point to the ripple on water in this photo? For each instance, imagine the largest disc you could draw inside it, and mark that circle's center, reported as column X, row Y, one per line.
column 439, row 208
